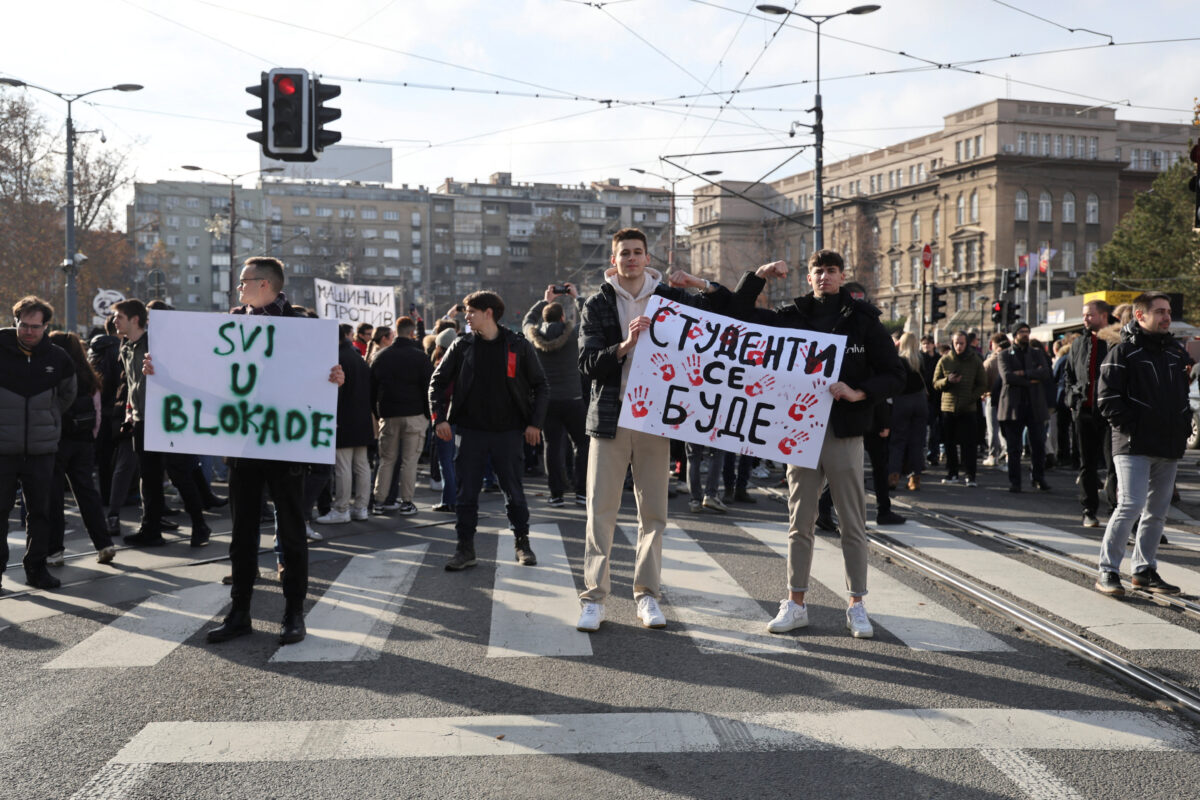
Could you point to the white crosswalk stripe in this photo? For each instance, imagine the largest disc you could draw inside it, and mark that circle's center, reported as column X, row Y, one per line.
column 910, row 616
column 1088, row 550
column 715, row 610
column 147, row 633
column 1119, row 623
column 352, row 620
column 534, row 609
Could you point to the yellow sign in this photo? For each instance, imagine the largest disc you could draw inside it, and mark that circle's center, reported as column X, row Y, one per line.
column 1114, row 299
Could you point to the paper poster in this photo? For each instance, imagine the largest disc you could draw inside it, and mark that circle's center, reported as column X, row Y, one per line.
column 355, row 304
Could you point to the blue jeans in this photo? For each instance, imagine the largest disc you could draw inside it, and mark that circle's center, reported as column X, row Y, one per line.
column 1144, row 487
column 697, row 453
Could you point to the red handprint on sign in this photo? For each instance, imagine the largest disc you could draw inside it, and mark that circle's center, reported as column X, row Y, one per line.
column 791, row 441
column 659, row 360
column 804, row 402
column 730, row 335
column 755, row 357
column 639, row 397
column 695, row 332
column 664, row 312
column 755, row 389
column 694, row 375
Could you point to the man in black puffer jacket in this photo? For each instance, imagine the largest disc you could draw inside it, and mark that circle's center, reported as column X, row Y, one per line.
column 871, row 372
column 1143, row 394
column 37, row 384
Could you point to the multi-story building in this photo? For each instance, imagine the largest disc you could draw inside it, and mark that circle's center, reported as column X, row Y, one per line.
column 1000, row 180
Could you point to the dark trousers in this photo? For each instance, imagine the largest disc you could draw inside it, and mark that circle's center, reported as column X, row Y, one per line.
column 507, row 452
column 936, row 431
column 179, row 470
column 877, row 450
column 1013, row 430
column 565, row 419
column 249, row 479
column 73, row 463
column 316, row 479
column 1095, row 449
column 35, row 474
column 906, row 448
column 961, row 431
column 125, row 472
column 736, row 471
column 105, row 452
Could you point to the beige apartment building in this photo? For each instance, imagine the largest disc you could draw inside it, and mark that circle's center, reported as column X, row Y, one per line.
column 1001, row 179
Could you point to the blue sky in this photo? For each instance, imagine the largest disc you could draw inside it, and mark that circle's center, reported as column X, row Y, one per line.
column 195, row 58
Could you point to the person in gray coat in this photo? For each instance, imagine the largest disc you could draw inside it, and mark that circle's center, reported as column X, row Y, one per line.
column 1024, row 373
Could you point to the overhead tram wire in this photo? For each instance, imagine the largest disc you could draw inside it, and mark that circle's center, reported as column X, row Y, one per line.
column 741, row 195
column 1050, row 21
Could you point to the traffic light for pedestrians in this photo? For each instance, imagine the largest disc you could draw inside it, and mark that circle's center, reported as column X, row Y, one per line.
column 998, row 312
column 1010, row 318
column 322, row 114
column 937, row 303
column 1011, row 279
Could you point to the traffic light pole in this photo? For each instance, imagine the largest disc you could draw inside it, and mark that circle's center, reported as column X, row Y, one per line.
column 924, row 317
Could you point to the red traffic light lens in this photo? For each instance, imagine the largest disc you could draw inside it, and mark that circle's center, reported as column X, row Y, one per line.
column 997, row 306
column 285, row 85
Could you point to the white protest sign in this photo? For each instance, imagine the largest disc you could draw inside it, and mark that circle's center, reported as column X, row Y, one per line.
column 352, row 304
column 104, row 300
column 708, row 379
column 240, row 385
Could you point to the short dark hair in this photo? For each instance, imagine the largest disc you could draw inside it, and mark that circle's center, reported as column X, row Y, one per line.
column 962, row 333
column 110, row 327
column 553, row 312
column 272, row 266
column 1099, row 306
column 364, row 327
column 827, row 258
column 926, row 338
column 1000, row 339
column 629, row 233
column 133, row 309
column 31, row 303
column 405, row 326
column 344, row 330
column 444, row 323
column 1146, row 299
column 482, row 301
column 159, row 305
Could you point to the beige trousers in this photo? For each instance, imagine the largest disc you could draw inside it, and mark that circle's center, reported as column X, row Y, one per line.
column 399, row 438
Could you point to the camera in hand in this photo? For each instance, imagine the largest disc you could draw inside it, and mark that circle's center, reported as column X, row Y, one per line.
column 562, row 289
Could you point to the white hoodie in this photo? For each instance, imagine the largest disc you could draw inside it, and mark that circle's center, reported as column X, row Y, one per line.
column 631, row 306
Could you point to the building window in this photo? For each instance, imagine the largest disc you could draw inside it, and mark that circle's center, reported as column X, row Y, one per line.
column 916, row 226
column 1093, row 147
column 416, row 219
column 1068, row 258
column 974, row 206
column 1058, row 145
column 1092, row 211
column 1070, row 152
column 1090, row 254
column 895, row 272
column 1020, row 248
column 1045, row 207
column 391, row 215
column 960, row 258
column 371, row 252
column 1045, row 144
column 896, row 229
column 1068, row 207
column 978, row 146
column 960, row 211
column 937, row 223
column 1021, row 210
column 391, row 252
column 921, row 172
column 972, row 256
column 915, row 268
column 300, row 211
column 1021, row 144
column 324, row 211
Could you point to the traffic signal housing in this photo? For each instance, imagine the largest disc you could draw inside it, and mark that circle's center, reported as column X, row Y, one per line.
column 937, row 303
column 998, row 312
column 1012, row 279
column 322, row 114
column 1011, row 317
column 259, row 90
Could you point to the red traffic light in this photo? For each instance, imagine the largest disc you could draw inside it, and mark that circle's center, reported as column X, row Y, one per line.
column 997, row 306
column 285, row 85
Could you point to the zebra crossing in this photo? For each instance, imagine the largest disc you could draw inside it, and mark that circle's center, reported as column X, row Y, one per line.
column 533, row 610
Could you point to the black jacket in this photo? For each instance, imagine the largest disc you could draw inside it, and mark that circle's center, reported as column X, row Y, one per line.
column 869, row 364
column 455, row 373
column 35, row 390
column 600, row 335
column 1075, row 372
column 1143, row 393
column 400, row 377
column 354, row 399
column 104, row 353
column 557, row 346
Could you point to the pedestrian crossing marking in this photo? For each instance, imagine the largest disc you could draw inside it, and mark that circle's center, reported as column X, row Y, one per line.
column 715, row 610
column 352, row 620
column 1120, row 623
column 534, row 609
column 1088, row 550
column 148, row 632
column 650, row 732
column 910, row 616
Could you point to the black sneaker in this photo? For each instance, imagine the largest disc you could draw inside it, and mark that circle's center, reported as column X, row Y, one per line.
column 581, row 499
column 444, row 508
column 171, row 525
column 889, row 518
column 200, row 535
column 1110, row 583
column 41, row 579
column 460, row 561
column 744, row 496
column 1148, row 581
column 490, row 488
column 144, row 539
column 827, row 523
column 1041, row 485
column 406, row 509
column 556, row 501
column 524, row 552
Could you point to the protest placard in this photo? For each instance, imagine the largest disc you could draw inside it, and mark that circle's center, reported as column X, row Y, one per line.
column 354, row 304
column 708, row 379
column 238, row 385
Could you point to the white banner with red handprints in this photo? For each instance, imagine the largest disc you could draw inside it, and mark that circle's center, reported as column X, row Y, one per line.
column 708, row 379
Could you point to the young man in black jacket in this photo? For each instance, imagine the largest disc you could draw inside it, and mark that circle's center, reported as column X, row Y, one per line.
column 400, row 377
column 871, row 372
column 1143, row 393
column 498, row 400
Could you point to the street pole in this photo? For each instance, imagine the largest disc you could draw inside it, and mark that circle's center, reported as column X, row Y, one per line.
column 232, row 243
column 69, row 262
column 671, row 239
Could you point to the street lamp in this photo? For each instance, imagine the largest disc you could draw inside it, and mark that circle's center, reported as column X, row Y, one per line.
column 69, row 263
column 671, row 215
column 233, row 267
column 818, row 128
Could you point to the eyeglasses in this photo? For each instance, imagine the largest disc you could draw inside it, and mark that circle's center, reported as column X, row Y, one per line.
column 27, row 327
column 244, row 281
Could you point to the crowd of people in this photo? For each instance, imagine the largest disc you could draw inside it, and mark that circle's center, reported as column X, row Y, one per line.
column 488, row 404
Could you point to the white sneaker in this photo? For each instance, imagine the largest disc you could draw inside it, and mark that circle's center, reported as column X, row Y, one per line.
column 334, row 517
column 359, row 514
column 857, row 622
column 714, row 503
column 989, row 462
column 791, row 616
column 590, row 618
column 649, row 612
column 56, row 559
column 760, row 472
column 312, row 535
column 435, row 486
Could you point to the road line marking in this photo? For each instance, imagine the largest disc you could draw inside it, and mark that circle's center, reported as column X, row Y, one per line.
column 148, row 632
column 353, row 619
column 113, row 782
column 1120, row 623
column 653, row 732
column 715, row 610
column 910, row 616
column 534, row 609
column 1030, row 775
column 1088, row 550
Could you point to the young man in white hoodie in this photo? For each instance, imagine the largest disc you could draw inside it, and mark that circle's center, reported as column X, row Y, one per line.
column 613, row 319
